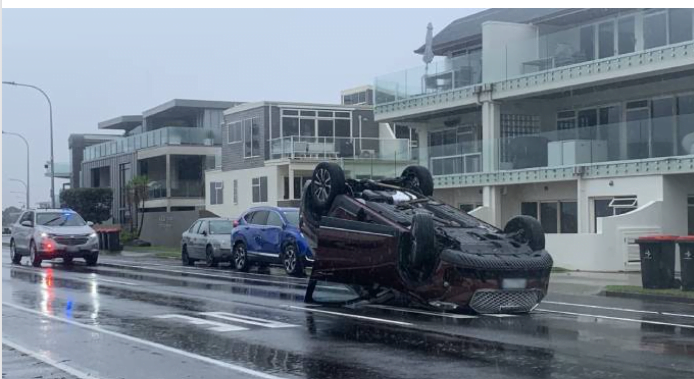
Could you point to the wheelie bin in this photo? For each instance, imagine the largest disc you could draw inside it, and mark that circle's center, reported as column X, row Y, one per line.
column 657, row 261
column 687, row 262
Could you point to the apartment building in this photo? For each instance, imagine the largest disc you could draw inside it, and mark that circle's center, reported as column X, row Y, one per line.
column 171, row 144
column 269, row 150
column 583, row 118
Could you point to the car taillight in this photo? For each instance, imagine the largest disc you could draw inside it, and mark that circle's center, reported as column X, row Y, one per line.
column 236, row 223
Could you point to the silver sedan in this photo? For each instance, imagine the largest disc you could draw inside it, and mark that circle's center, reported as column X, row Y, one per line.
column 209, row 240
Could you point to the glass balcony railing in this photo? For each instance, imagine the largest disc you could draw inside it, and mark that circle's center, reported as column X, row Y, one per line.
column 630, row 140
column 172, row 135
column 180, row 189
column 298, row 147
column 441, row 76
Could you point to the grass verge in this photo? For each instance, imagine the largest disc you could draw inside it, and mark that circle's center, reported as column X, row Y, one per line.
column 636, row 290
column 560, row 269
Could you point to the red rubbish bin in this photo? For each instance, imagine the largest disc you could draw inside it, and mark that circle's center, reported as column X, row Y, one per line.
column 687, row 262
column 657, row 261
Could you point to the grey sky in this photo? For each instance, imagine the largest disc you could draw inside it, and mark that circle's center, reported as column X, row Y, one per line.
column 99, row 64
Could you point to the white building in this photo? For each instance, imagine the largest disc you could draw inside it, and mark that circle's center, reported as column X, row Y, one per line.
column 583, row 118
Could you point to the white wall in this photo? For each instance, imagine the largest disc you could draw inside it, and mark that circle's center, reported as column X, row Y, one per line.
column 505, row 46
column 457, row 196
column 245, row 189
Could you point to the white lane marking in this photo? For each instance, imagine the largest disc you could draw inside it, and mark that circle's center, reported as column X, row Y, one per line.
column 215, row 326
column 170, row 349
column 93, row 277
column 618, row 309
column 49, row 361
column 386, row 321
column 617, row 318
column 248, row 320
column 498, row 315
column 416, row 311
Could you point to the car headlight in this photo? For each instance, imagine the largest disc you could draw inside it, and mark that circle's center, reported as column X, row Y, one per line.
column 47, row 235
column 93, row 235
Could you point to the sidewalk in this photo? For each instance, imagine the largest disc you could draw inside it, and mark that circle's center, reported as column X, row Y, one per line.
column 590, row 283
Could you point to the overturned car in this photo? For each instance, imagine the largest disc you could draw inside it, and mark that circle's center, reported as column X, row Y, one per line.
column 390, row 242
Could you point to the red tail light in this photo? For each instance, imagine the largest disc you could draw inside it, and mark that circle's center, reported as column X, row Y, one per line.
column 236, row 223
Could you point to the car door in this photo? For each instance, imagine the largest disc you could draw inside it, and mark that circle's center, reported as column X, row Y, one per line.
column 23, row 233
column 270, row 236
column 200, row 240
column 253, row 237
column 187, row 237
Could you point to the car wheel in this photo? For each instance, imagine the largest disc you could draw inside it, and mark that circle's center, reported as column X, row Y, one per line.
column 67, row 260
column 34, row 257
column 526, row 230
column 423, row 240
column 418, row 178
column 92, row 259
column 328, row 181
column 16, row 258
column 293, row 264
column 185, row 259
column 240, row 257
column 209, row 257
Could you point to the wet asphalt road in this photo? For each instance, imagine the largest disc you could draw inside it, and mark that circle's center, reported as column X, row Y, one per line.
column 148, row 319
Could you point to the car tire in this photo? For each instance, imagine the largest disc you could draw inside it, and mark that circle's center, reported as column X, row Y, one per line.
column 185, row 259
column 418, row 178
column 423, row 240
column 91, row 259
column 16, row 258
column 240, row 257
column 210, row 260
column 292, row 262
column 67, row 261
column 34, row 257
column 327, row 181
column 526, row 230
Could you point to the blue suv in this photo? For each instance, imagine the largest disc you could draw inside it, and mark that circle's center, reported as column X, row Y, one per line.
column 270, row 235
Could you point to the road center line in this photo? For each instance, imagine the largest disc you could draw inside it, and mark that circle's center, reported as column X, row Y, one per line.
column 618, row 309
column 170, row 349
column 617, row 318
column 383, row 320
column 45, row 359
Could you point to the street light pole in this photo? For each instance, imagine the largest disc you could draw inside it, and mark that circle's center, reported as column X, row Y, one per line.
column 26, row 188
column 27, row 145
column 50, row 115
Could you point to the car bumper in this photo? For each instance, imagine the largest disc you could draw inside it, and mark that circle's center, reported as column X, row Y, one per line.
column 63, row 251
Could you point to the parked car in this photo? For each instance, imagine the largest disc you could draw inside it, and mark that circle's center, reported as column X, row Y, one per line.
column 208, row 239
column 270, row 235
column 389, row 241
column 53, row 233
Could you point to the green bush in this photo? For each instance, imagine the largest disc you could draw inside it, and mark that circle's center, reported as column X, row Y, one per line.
column 93, row 204
column 127, row 236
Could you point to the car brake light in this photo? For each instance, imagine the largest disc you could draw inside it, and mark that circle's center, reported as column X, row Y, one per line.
column 236, row 223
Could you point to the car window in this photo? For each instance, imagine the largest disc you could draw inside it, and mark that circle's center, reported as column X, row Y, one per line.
column 203, row 227
column 193, row 228
column 259, row 218
column 24, row 217
column 274, row 219
column 248, row 216
column 292, row 217
column 59, row 219
column 220, row 227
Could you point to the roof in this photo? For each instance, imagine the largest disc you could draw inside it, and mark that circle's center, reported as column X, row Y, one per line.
column 282, row 104
column 464, row 29
column 363, row 88
column 126, row 123
column 184, row 103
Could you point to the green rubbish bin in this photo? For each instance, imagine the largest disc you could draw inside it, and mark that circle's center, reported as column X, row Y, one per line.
column 687, row 262
column 657, row 261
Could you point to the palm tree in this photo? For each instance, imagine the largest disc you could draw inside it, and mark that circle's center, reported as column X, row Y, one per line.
column 138, row 192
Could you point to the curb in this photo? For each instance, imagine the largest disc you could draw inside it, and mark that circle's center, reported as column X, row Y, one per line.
column 640, row 296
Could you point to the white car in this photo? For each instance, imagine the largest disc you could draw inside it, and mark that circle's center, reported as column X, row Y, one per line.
column 53, row 233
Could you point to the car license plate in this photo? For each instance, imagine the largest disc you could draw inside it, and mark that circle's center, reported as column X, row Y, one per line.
column 514, row 284
column 72, row 249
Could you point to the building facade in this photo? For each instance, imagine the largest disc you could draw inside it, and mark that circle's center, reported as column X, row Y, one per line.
column 583, row 118
column 269, row 150
column 171, row 144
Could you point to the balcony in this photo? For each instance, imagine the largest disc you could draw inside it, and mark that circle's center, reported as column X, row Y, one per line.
column 340, row 148
column 62, row 170
column 172, row 135
column 179, row 189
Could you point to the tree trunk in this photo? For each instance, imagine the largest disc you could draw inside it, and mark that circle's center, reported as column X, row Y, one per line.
column 142, row 218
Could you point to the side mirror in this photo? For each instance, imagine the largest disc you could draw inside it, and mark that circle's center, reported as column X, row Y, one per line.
column 89, row 223
column 27, row 223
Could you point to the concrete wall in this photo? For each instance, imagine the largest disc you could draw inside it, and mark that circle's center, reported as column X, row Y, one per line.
column 505, row 46
column 165, row 228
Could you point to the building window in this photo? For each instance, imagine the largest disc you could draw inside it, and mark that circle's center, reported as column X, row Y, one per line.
column 680, row 25
column 612, row 206
column 236, row 191
column 555, row 216
column 655, row 30
column 216, row 193
column 468, row 207
column 456, row 150
column 626, row 35
column 259, row 188
column 235, row 132
column 251, row 137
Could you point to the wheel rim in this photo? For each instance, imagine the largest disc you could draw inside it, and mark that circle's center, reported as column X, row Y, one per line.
column 240, row 257
column 289, row 258
column 413, row 180
column 322, row 185
column 32, row 253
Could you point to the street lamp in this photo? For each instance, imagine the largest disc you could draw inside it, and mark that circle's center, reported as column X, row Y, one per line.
column 27, row 145
column 50, row 115
column 26, row 188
